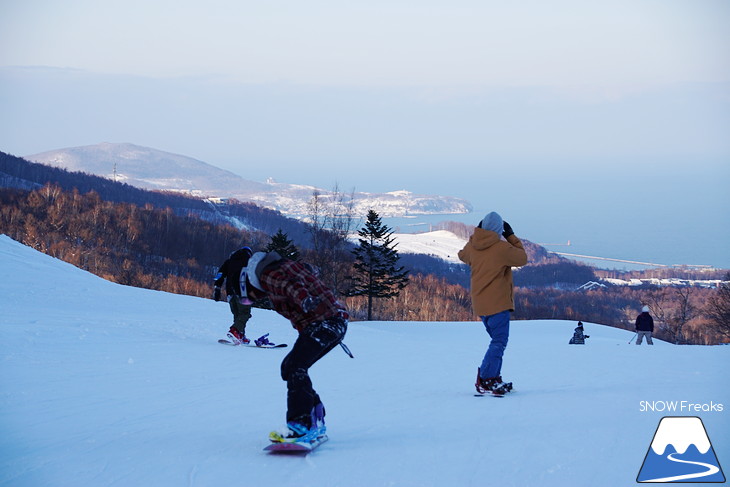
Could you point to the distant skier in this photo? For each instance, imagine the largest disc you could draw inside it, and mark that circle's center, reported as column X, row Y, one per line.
column 297, row 293
column 578, row 337
column 230, row 272
column 644, row 326
column 492, row 292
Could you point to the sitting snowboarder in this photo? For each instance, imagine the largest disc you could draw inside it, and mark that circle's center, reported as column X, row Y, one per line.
column 578, row 337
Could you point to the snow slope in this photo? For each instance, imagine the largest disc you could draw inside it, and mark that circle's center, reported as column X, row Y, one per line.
column 107, row 385
column 441, row 244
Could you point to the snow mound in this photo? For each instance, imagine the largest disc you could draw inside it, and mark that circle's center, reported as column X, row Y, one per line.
column 441, row 244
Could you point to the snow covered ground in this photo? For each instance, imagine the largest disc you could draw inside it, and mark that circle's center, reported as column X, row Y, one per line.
column 442, row 244
column 107, row 385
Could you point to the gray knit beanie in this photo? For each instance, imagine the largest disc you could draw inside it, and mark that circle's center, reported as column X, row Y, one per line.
column 493, row 222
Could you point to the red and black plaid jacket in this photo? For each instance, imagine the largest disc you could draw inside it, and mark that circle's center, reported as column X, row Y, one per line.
column 288, row 283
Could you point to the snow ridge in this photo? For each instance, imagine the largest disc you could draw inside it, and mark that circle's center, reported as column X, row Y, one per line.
column 149, row 168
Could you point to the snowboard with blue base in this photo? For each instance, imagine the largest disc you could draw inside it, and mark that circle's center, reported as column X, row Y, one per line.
column 296, row 446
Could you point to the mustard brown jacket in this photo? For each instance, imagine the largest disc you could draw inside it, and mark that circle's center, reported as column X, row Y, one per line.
column 491, row 260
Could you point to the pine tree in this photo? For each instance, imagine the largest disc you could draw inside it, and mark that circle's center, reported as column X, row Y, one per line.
column 376, row 274
column 281, row 244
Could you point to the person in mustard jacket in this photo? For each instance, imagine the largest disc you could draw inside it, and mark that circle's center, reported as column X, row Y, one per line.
column 492, row 292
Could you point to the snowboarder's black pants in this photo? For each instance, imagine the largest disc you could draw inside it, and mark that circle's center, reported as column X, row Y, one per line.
column 241, row 313
column 314, row 342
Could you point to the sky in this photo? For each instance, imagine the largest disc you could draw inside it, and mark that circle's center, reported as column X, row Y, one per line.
column 553, row 113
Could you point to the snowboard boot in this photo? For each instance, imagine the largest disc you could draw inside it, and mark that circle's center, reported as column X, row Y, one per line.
column 507, row 385
column 295, row 433
column 480, row 386
column 237, row 337
column 263, row 340
column 496, row 386
column 493, row 385
column 318, row 420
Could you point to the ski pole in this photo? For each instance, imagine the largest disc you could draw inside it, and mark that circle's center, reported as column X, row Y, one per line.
column 632, row 338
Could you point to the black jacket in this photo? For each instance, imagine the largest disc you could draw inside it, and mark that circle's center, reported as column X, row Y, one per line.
column 644, row 322
column 578, row 337
column 230, row 271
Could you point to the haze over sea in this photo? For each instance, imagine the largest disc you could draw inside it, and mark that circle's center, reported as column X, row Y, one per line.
column 640, row 214
column 664, row 220
column 602, row 123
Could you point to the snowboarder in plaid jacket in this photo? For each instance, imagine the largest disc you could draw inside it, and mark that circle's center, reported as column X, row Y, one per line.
column 298, row 294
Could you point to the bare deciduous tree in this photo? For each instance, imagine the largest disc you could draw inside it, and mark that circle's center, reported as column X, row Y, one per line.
column 718, row 308
column 672, row 309
column 332, row 219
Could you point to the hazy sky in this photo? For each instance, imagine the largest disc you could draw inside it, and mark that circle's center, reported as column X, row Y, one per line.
column 582, row 109
column 606, row 47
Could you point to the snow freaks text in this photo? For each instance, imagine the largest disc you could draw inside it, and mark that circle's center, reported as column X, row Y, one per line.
column 688, row 407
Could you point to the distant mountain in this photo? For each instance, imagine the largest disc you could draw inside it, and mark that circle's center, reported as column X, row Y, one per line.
column 154, row 169
column 21, row 174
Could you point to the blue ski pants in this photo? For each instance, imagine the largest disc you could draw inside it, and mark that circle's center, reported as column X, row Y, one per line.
column 497, row 326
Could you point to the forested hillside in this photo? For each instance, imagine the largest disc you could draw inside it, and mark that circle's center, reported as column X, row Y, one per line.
column 19, row 173
column 175, row 243
column 145, row 247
